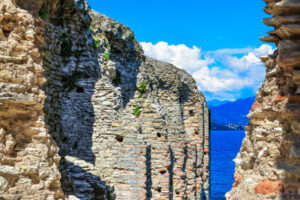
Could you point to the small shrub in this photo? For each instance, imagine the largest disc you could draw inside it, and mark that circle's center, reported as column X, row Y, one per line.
column 66, row 46
column 92, row 28
column 43, row 13
column 96, row 44
column 106, row 56
column 142, row 87
column 112, row 25
column 131, row 36
column 137, row 111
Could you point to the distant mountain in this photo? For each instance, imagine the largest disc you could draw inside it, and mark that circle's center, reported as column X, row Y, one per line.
column 232, row 115
column 215, row 102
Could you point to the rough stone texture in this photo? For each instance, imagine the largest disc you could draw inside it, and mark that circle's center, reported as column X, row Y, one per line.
column 28, row 155
column 80, row 103
column 268, row 164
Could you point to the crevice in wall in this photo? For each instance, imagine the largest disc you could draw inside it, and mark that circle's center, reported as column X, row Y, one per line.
column 148, row 173
column 185, row 153
column 171, row 173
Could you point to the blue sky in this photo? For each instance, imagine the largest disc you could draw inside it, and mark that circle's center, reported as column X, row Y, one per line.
column 215, row 41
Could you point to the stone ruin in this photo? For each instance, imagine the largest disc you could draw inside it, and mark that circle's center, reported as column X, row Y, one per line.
column 268, row 165
column 84, row 114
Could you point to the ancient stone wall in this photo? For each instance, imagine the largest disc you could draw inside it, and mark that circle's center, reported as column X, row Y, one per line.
column 29, row 157
column 126, row 126
column 267, row 166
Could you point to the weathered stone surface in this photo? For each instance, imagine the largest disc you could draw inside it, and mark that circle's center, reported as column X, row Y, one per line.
column 85, row 115
column 269, row 187
column 269, row 157
column 26, row 147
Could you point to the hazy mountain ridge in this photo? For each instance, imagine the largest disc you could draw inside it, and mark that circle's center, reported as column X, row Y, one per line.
column 232, row 115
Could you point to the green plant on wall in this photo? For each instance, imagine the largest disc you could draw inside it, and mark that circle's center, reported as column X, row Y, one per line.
column 106, row 56
column 88, row 26
column 66, row 46
column 92, row 28
column 96, row 44
column 43, row 13
column 131, row 36
column 142, row 88
column 137, row 111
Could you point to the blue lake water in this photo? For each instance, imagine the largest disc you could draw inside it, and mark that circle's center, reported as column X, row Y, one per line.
column 224, row 147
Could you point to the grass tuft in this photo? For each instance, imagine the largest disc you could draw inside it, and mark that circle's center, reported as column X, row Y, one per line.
column 137, row 111
column 142, row 87
column 106, row 56
column 96, row 44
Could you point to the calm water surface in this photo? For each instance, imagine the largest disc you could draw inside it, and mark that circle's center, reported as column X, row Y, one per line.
column 224, row 147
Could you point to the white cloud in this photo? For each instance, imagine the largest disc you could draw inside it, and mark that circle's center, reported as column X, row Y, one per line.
column 264, row 50
column 179, row 55
column 224, row 72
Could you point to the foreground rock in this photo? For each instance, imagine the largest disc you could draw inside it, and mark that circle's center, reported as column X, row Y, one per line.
column 85, row 115
column 268, row 165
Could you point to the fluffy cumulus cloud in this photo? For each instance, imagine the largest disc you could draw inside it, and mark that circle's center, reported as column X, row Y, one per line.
column 223, row 74
column 179, row 55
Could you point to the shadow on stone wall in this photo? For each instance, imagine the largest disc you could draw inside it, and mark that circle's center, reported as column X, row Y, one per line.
column 84, row 185
column 69, row 112
column 70, row 118
column 148, row 172
column 69, row 88
column 289, row 159
column 171, row 173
